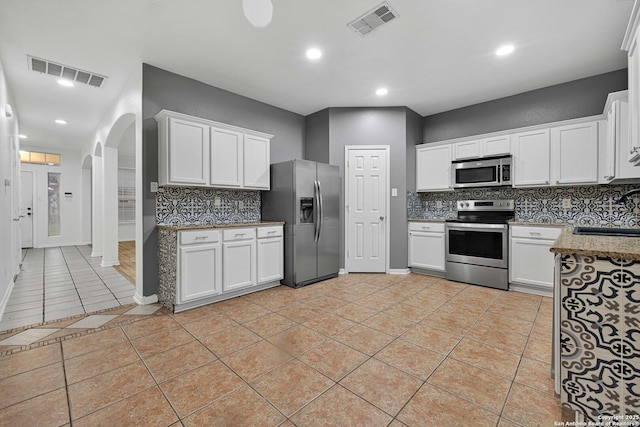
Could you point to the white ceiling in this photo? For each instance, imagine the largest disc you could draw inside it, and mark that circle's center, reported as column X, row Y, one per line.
column 438, row 55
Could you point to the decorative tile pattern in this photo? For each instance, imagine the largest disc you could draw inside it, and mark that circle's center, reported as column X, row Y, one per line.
column 590, row 204
column 599, row 331
column 167, row 266
column 206, row 206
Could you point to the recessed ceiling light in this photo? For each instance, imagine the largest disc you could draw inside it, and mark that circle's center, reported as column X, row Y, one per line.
column 61, row 122
column 505, row 50
column 314, row 53
column 65, row 82
column 382, row 91
column 22, row 136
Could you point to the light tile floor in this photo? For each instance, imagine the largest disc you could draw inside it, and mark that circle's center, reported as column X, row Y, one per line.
column 60, row 282
column 358, row 350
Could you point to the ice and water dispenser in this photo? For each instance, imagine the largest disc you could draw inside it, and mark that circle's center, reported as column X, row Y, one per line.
column 306, row 210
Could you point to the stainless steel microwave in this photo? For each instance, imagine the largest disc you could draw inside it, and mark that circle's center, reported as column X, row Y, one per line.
column 488, row 172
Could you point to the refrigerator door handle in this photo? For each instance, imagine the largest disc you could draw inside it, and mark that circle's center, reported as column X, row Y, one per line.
column 321, row 211
column 316, row 210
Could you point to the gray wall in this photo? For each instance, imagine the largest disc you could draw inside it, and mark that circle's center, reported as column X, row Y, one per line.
column 164, row 90
column 375, row 126
column 578, row 98
column 316, row 139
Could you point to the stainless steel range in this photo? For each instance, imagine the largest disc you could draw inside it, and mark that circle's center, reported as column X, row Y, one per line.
column 477, row 243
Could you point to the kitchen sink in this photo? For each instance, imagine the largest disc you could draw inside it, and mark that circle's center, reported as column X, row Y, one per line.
column 599, row 231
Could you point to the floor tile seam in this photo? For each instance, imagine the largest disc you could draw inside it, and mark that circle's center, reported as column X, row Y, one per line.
column 40, row 394
column 504, row 405
column 495, row 346
column 110, row 369
column 298, row 358
column 452, row 356
column 32, row 369
column 66, row 382
column 498, row 415
column 74, row 285
column 94, row 270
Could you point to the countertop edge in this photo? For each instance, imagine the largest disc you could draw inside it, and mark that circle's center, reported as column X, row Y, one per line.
column 601, row 246
column 206, row 226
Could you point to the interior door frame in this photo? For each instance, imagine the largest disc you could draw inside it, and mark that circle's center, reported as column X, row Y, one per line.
column 33, row 207
column 387, row 228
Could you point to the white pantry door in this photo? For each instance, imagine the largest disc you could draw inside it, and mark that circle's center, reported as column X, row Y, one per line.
column 367, row 210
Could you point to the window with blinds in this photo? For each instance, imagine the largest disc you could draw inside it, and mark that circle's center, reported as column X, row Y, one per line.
column 126, row 195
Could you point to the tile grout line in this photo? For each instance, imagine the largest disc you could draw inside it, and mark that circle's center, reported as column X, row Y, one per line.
column 73, row 281
column 103, row 282
column 66, row 383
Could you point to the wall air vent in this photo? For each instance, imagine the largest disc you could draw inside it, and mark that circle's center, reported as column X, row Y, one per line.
column 51, row 68
column 373, row 19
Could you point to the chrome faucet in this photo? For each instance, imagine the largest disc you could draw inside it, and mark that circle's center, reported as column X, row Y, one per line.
column 626, row 195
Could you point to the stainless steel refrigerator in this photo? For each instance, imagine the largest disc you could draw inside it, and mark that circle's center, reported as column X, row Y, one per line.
column 306, row 196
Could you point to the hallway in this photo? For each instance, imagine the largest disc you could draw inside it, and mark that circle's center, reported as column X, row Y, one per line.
column 59, row 282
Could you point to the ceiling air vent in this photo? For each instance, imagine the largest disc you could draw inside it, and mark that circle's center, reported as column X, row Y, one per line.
column 44, row 66
column 368, row 22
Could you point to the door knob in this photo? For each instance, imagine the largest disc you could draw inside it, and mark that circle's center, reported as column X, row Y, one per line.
column 381, row 218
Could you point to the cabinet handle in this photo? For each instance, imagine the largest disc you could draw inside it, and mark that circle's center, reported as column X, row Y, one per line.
column 271, row 232
column 424, row 227
column 201, row 237
column 533, row 233
column 240, row 234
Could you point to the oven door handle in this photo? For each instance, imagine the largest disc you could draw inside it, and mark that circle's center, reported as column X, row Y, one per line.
column 464, row 227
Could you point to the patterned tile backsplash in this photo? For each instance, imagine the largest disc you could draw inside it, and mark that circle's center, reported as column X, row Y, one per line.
column 590, row 205
column 205, row 206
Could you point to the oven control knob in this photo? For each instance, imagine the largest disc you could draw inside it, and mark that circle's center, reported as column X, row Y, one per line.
column 461, row 205
column 466, row 205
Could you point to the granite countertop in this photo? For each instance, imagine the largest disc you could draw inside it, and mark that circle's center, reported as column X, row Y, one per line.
column 604, row 246
column 427, row 220
column 537, row 224
column 197, row 227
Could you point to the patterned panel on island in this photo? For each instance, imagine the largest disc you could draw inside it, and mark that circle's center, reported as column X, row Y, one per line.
column 599, row 336
column 206, row 206
column 167, row 266
column 593, row 205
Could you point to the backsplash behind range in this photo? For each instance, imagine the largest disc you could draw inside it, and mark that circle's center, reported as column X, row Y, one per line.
column 589, row 205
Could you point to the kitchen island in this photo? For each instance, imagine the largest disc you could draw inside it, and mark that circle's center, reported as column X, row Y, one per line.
column 597, row 325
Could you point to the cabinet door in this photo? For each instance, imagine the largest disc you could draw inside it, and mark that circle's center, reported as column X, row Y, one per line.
column 270, row 260
column 199, row 272
column 188, row 152
column 634, row 100
column 531, row 262
column 575, row 152
column 497, row 146
column 226, row 158
column 239, row 264
column 256, row 162
column 531, row 158
column 426, row 250
column 467, row 150
column 433, row 168
column 609, row 143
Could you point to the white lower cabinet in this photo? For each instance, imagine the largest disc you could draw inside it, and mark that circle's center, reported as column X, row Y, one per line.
column 531, row 264
column 426, row 245
column 199, row 272
column 270, row 254
column 239, row 259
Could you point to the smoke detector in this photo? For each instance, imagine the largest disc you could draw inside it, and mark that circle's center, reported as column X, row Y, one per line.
column 55, row 69
column 373, row 19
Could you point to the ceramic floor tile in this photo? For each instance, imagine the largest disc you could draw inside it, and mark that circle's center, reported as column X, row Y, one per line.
column 22, row 314
column 144, row 309
column 148, row 408
column 340, row 407
column 27, row 360
column 364, row 339
column 26, row 385
column 383, row 385
column 410, row 358
column 61, row 314
column 390, row 325
column 229, row 340
column 455, row 324
column 408, row 312
column 431, row 338
column 539, row 349
column 159, row 342
column 355, row 312
column 244, row 407
column 333, row 359
column 92, row 342
column 28, row 336
column 24, row 306
column 256, row 359
column 193, row 390
column 326, row 302
column 270, row 324
column 97, row 362
column 291, row 386
column 209, row 325
column 179, row 360
column 492, row 359
column 50, row 409
column 496, row 321
column 105, row 389
column 149, row 326
column 297, row 340
column 527, row 406
column 330, row 324
column 301, row 313
column 505, row 340
column 535, row 374
column 473, row 384
column 10, row 324
column 246, row 312
column 437, row 407
column 375, row 303
column 94, row 321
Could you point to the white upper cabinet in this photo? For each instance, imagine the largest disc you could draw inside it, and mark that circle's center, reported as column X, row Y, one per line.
column 433, row 168
column 256, row 162
column 203, row 153
column 614, row 150
column 226, row 158
column 487, row 147
column 575, row 154
column 531, row 158
column 630, row 44
column 183, row 152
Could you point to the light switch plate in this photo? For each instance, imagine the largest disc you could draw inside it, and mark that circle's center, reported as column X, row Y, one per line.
column 394, row 192
column 154, row 187
column 566, row 203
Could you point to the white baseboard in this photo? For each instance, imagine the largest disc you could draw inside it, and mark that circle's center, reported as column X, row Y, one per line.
column 399, row 271
column 341, row 272
column 531, row 289
column 95, row 254
column 5, row 297
column 142, row 300
column 109, row 264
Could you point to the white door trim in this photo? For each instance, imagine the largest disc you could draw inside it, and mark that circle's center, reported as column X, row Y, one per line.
column 387, row 228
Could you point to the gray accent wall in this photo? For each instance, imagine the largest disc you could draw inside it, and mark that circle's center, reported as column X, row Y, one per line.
column 578, row 98
column 316, row 139
column 165, row 90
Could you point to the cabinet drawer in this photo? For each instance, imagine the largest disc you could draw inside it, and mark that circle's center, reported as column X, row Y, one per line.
column 199, row 236
column 274, row 231
column 434, row 227
column 548, row 233
column 238, row 234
